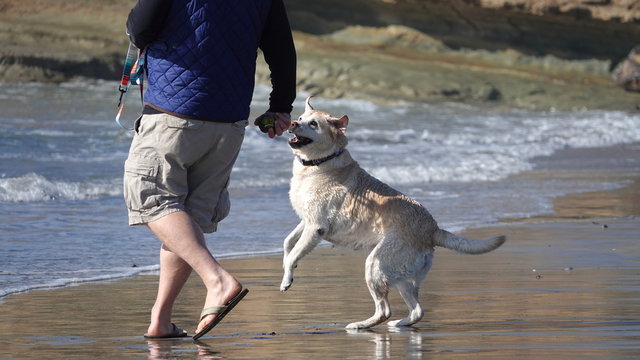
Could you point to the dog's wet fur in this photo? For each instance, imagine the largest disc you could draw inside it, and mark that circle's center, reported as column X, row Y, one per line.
column 338, row 201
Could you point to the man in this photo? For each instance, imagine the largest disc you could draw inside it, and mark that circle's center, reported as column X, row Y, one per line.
column 200, row 65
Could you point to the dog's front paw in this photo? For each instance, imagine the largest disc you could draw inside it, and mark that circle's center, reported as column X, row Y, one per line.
column 286, row 284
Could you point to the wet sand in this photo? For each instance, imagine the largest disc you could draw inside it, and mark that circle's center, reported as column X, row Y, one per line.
column 558, row 289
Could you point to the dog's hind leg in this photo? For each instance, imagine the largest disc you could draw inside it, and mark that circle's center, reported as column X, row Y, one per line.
column 379, row 289
column 307, row 241
column 409, row 289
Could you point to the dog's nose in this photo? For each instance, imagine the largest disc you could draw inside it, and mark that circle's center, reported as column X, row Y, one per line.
column 294, row 124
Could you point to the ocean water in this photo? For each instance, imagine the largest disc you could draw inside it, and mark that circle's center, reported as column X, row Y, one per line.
column 61, row 161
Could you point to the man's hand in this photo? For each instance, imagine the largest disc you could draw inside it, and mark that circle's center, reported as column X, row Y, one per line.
column 281, row 124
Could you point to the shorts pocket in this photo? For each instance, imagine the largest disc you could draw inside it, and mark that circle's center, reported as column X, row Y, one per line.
column 140, row 183
column 173, row 122
column 239, row 127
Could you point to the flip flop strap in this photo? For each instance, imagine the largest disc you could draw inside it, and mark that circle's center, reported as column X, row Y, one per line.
column 176, row 330
column 213, row 310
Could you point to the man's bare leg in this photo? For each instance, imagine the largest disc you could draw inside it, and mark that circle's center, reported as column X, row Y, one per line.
column 183, row 239
column 174, row 273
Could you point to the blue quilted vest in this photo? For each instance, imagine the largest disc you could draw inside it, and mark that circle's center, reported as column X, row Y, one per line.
column 203, row 63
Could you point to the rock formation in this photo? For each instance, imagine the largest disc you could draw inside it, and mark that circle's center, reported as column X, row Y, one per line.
column 536, row 54
column 627, row 73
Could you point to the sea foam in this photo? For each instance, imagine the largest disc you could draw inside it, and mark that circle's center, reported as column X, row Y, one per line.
column 34, row 187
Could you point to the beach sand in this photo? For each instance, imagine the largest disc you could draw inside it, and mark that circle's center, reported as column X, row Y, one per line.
column 564, row 287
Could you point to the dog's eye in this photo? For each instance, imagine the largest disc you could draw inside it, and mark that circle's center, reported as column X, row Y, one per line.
column 313, row 124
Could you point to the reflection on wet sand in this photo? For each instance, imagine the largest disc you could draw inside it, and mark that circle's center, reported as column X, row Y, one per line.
column 171, row 349
column 405, row 343
column 603, row 204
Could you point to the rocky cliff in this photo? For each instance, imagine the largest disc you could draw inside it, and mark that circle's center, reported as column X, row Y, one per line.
column 526, row 53
column 572, row 29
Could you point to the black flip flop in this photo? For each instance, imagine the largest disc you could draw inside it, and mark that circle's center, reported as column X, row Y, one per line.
column 174, row 334
column 220, row 311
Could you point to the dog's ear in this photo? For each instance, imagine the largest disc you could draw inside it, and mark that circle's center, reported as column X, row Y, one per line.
column 307, row 105
column 341, row 124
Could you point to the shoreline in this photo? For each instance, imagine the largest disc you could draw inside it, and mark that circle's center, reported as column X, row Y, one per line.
column 620, row 202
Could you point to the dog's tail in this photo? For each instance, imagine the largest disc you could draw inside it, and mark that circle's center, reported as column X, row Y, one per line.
column 450, row 241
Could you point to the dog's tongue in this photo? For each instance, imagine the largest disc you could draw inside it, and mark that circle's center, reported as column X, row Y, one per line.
column 295, row 139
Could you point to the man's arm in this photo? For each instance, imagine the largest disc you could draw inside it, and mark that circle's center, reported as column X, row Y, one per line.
column 280, row 54
column 145, row 21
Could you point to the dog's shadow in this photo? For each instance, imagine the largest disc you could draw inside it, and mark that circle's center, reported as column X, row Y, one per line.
column 393, row 342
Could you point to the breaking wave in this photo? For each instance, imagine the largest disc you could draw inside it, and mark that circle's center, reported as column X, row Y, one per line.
column 33, row 187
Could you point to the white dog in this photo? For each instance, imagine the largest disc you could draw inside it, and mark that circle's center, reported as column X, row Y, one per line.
column 340, row 202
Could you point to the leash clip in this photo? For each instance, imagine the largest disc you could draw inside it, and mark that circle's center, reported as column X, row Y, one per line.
column 123, row 90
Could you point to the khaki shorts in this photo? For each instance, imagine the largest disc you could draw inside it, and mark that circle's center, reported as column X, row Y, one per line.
column 177, row 164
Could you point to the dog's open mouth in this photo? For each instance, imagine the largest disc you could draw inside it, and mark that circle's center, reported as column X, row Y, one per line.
column 299, row 141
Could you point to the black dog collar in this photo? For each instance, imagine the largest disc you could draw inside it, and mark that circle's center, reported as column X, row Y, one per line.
column 317, row 162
